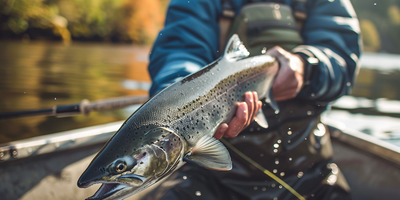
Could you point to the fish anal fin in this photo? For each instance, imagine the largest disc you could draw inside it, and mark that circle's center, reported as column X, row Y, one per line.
column 211, row 154
column 271, row 101
column 260, row 119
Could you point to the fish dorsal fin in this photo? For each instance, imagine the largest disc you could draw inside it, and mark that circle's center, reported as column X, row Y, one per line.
column 211, row 154
column 235, row 49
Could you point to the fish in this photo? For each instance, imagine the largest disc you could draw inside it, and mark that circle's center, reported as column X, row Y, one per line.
column 177, row 125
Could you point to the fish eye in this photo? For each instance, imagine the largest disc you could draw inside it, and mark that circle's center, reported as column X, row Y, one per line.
column 121, row 167
column 122, row 164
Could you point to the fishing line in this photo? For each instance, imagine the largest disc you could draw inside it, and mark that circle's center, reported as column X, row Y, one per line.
column 265, row 171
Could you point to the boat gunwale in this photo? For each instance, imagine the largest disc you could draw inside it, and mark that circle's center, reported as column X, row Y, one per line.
column 363, row 141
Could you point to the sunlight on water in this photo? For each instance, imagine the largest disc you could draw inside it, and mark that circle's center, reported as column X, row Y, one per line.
column 41, row 75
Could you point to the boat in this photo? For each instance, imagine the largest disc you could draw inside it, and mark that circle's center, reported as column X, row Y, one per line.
column 48, row 167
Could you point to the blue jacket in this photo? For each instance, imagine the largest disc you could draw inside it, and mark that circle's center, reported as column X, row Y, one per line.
column 190, row 40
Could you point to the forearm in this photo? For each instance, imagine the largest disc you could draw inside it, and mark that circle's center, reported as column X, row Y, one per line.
column 331, row 34
column 188, row 41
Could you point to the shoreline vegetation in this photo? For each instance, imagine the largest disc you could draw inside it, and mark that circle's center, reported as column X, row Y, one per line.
column 117, row 21
column 138, row 22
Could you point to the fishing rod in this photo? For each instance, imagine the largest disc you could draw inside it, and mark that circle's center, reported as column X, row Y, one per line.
column 84, row 107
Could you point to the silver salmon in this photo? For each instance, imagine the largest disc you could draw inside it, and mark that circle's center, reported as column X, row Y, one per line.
column 177, row 125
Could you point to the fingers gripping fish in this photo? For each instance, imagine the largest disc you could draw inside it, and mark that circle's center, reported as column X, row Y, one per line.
column 177, row 125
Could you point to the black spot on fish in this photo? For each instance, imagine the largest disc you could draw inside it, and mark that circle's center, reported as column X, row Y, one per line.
column 102, row 169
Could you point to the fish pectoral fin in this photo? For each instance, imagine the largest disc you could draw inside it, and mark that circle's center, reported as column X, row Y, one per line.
column 211, row 154
column 260, row 119
column 235, row 49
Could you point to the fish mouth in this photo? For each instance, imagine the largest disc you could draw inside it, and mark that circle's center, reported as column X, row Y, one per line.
column 110, row 189
column 107, row 190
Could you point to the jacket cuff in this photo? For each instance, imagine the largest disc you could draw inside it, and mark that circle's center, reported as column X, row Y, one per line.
column 310, row 62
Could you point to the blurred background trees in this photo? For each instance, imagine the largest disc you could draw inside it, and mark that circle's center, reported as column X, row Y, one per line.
column 138, row 22
column 90, row 20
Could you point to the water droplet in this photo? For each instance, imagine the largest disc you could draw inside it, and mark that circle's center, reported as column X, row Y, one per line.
column 275, row 150
column 374, row 4
column 255, row 188
column 309, row 112
column 275, row 171
column 276, row 111
column 184, row 177
column 280, row 186
column 273, row 185
column 264, row 189
column 312, row 195
column 198, row 193
column 264, row 50
column 300, row 174
column 55, row 98
column 276, row 162
column 279, row 141
column 289, row 132
column 312, row 94
column 275, row 198
column 282, row 174
column 290, row 159
column 24, row 92
column 348, row 84
column 289, row 141
column 276, row 145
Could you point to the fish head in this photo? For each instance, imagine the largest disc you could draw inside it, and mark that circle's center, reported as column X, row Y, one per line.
column 127, row 169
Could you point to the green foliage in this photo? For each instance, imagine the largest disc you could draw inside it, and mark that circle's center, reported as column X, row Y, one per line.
column 371, row 38
column 117, row 20
column 380, row 23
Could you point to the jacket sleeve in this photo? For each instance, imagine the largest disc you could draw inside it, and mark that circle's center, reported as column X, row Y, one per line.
column 331, row 34
column 189, row 41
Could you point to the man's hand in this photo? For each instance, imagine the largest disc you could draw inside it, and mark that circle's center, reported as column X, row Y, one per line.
column 287, row 84
column 245, row 114
column 289, row 79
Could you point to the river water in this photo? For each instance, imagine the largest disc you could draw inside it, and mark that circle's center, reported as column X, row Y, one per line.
column 39, row 75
